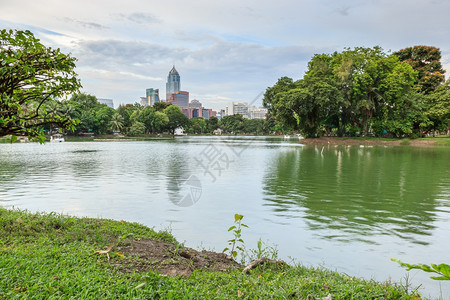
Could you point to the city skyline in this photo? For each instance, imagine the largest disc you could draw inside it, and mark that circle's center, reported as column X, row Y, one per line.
column 228, row 51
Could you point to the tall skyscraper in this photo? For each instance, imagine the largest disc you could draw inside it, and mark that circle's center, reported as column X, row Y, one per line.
column 173, row 82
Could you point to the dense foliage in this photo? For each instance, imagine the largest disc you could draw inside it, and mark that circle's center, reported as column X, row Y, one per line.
column 365, row 91
column 31, row 76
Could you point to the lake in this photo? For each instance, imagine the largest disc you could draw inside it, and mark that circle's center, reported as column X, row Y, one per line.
column 346, row 208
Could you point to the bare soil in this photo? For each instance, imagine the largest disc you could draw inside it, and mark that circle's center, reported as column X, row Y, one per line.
column 366, row 142
column 167, row 259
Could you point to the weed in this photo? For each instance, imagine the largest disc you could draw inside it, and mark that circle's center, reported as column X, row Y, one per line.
column 262, row 250
column 237, row 242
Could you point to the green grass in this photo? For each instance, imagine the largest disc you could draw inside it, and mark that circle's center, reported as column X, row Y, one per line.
column 51, row 256
column 441, row 140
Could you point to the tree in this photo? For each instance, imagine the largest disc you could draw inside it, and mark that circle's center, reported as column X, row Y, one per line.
column 356, row 88
column 116, row 123
column 273, row 100
column 197, row 125
column 176, row 118
column 127, row 111
column 160, row 106
column 30, row 76
column 159, row 122
column 146, row 117
column 212, row 123
column 427, row 61
column 154, row 120
column 255, row 126
column 438, row 108
column 137, row 128
column 232, row 124
column 103, row 115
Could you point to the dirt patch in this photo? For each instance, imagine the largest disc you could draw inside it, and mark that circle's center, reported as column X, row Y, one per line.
column 167, row 259
column 366, row 142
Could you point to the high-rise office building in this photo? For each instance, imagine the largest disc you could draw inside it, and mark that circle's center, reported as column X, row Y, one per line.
column 173, row 83
column 257, row 112
column 152, row 96
column 238, row 108
column 179, row 98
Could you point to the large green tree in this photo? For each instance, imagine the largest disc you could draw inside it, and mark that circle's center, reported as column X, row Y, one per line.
column 426, row 60
column 176, row 118
column 31, row 75
column 438, row 108
column 353, row 89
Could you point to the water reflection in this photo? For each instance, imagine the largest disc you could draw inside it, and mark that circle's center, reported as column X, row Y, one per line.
column 354, row 193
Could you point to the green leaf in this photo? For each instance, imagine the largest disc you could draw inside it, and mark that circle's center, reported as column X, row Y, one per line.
column 234, row 253
column 226, row 249
column 440, row 278
column 231, row 228
column 13, row 138
column 237, row 217
column 444, row 269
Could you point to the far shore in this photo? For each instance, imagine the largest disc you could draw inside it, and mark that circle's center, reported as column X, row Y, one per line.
column 370, row 141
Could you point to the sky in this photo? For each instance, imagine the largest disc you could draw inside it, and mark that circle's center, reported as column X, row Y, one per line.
column 223, row 50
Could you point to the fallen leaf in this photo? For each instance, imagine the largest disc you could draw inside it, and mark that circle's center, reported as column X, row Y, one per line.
column 120, row 254
column 105, row 251
column 240, row 294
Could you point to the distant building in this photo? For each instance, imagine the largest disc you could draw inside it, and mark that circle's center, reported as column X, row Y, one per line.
column 179, row 98
column 257, row 112
column 108, row 102
column 152, row 96
column 207, row 113
column 221, row 113
column 238, row 108
column 173, row 82
column 195, row 104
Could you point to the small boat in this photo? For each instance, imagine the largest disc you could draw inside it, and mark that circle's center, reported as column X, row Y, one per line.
column 56, row 138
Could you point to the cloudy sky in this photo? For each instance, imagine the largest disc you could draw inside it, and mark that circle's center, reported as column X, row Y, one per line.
column 224, row 50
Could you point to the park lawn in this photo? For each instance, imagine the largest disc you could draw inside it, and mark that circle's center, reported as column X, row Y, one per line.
column 53, row 256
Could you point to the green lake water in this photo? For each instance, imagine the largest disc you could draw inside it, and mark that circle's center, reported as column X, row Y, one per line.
column 347, row 208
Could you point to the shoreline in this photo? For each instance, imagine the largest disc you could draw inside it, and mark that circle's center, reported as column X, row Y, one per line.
column 54, row 255
column 376, row 141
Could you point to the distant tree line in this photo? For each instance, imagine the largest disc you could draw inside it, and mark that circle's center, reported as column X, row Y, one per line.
column 365, row 91
column 135, row 120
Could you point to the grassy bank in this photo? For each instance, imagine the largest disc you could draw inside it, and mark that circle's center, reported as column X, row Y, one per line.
column 374, row 141
column 46, row 256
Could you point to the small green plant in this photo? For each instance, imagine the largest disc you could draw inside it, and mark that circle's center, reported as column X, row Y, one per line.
column 441, row 269
column 236, row 242
column 263, row 250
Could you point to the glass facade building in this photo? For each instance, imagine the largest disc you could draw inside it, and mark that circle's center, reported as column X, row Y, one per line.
column 152, row 96
column 179, row 98
column 173, row 83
